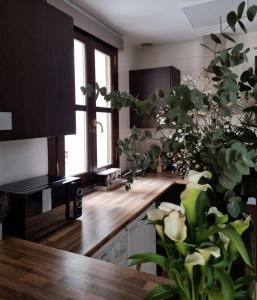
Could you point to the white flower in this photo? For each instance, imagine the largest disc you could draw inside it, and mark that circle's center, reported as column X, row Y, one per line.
column 241, row 225
column 189, row 200
column 220, row 217
column 174, row 226
column 168, row 207
column 154, row 215
column 195, row 176
column 193, row 260
column 224, row 239
column 208, row 252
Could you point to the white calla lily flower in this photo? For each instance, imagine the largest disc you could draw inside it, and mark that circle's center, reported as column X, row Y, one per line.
column 189, row 199
column 241, row 225
column 174, row 226
column 220, row 217
column 224, row 239
column 194, row 176
column 208, row 252
column 192, row 260
column 195, row 259
column 154, row 215
column 168, row 207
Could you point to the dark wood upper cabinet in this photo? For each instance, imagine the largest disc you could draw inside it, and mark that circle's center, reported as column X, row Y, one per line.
column 144, row 82
column 36, row 69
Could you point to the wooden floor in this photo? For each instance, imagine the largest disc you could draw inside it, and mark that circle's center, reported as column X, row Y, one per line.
column 106, row 213
column 30, row 271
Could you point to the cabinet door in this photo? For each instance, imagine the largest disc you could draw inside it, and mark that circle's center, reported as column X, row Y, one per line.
column 141, row 239
column 144, row 83
column 36, row 69
column 114, row 251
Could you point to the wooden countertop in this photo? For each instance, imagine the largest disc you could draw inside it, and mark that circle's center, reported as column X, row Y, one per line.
column 36, row 272
column 106, row 213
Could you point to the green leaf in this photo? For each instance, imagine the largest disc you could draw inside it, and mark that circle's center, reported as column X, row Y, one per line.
column 163, row 291
column 215, row 294
column 241, row 24
column 238, row 47
column 251, row 12
column 232, row 19
column 244, row 281
column 236, row 239
column 141, row 258
column 240, row 9
column 215, row 38
column 242, row 295
column 160, row 93
column 103, row 91
column 227, row 182
column 226, row 284
column 246, row 75
column 235, row 206
column 228, row 37
column 197, row 98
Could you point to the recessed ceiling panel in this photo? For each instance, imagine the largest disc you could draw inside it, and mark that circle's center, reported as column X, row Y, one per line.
column 208, row 14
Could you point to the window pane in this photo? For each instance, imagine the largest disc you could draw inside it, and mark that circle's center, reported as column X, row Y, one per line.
column 80, row 67
column 104, row 139
column 75, row 147
column 102, row 75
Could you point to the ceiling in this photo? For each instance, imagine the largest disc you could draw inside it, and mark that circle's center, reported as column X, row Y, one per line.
column 159, row 22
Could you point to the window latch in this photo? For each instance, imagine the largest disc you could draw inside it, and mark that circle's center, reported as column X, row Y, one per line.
column 95, row 123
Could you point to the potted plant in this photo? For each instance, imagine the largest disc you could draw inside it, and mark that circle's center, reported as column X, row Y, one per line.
column 202, row 245
column 213, row 128
column 213, row 132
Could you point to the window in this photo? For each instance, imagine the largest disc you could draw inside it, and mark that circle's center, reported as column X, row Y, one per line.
column 93, row 146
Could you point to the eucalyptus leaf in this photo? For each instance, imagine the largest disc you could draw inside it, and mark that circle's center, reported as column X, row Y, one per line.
column 228, row 37
column 241, row 24
column 251, row 12
column 240, row 9
column 232, row 19
column 215, row 38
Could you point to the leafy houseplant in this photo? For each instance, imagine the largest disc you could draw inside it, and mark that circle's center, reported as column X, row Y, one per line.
column 201, row 245
column 211, row 129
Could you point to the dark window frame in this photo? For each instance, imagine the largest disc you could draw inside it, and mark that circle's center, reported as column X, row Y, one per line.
column 56, row 145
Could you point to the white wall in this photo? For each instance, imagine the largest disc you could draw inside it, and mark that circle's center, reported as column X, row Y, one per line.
column 187, row 57
column 23, row 159
column 128, row 60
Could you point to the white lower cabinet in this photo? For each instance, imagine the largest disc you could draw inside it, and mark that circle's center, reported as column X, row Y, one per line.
column 115, row 250
column 137, row 237
column 141, row 239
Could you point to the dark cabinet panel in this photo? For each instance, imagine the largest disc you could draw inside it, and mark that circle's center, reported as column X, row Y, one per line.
column 36, row 69
column 144, row 82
